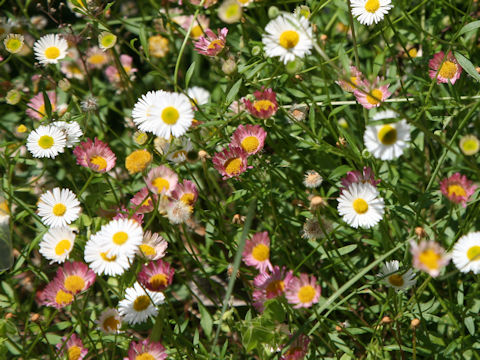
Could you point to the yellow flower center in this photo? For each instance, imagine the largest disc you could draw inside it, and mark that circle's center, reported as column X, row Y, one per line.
column 448, row 70
column 45, row 142
column 146, row 202
column 473, row 253
column 4, row 210
column 74, row 352
column 108, row 258
column 137, row 161
column 144, row 356
column 250, row 144
column 233, row 11
column 260, row 105
column 99, row 161
column 62, row 247
column 387, row 135
column 413, row 52
column 141, row 303
column 395, row 280
column 170, row 115
column 360, row 206
column 59, row 209
column 354, row 80
column 289, row 39
column 63, row 298
column 196, row 31
column 214, row 44
column 187, row 198
column 233, row 166
column 456, row 189
column 372, row 5
column 97, row 59
column 52, row 52
column 430, row 259
column 13, row 45
column 21, row 128
column 120, row 237
column 110, row 323
column 376, row 94
column 261, row 252
column 470, row 146
column 74, row 283
column 275, row 287
column 306, row 294
column 158, row 281
column 148, row 250
column 108, row 40
column 161, row 184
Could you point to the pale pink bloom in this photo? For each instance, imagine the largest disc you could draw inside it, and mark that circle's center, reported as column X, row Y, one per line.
column 56, row 295
column 265, row 104
column 444, row 69
column 257, row 252
column 230, row 162
column 153, row 246
column 123, row 213
column 298, row 349
column 457, row 188
column 71, row 348
column 429, row 256
column 270, row 285
column 357, row 177
column 146, row 348
column 97, row 58
column 201, row 23
column 73, row 69
column 161, row 180
column 303, row 291
column 355, row 76
column 143, row 201
column 237, row 106
column 250, row 138
column 112, row 72
column 75, row 277
column 186, row 192
column 211, row 44
column 36, row 105
column 95, row 155
column 156, row 275
column 375, row 94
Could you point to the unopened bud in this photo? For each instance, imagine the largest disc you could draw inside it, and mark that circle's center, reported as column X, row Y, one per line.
column 415, row 323
column 238, row 219
column 273, row 12
column 386, row 320
column 420, row 232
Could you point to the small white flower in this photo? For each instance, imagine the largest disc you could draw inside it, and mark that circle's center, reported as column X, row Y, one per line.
column 390, row 275
column 102, row 261
column 58, row 207
column 46, row 141
column 50, row 48
column 466, row 253
column 199, row 95
column 110, row 321
column 368, row 12
column 57, row 244
column 361, row 205
column 121, row 236
column 387, row 142
column 139, row 304
column 72, row 132
column 13, row 43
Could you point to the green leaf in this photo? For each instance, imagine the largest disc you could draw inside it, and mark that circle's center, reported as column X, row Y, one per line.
column 189, row 74
column 467, row 66
column 274, row 311
column 143, row 41
column 233, row 91
column 205, row 320
column 469, row 27
column 470, row 325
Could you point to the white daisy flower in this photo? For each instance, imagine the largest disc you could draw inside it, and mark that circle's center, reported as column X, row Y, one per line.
column 287, row 37
column 109, row 321
column 386, row 142
column 57, row 244
column 58, row 207
column 163, row 113
column 466, row 253
column 102, row 261
column 50, row 48
column 390, row 275
column 139, row 304
column 180, row 155
column 121, row 236
column 360, row 205
column 199, row 95
column 72, row 131
column 368, row 12
column 46, row 141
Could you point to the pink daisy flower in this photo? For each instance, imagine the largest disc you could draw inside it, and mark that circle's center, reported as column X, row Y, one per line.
column 257, row 252
column 303, row 291
column 146, row 349
column 112, row 72
column 143, row 201
column 95, row 155
column 250, row 138
column 373, row 94
column 298, row 348
column 457, row 188
column 270, row 285
column 230, row 162
column 56, row 295
column 265, row 104
column 153, row 246
column 71, row 348
column 186, row 192
column 429, row 256
column 123, row 213
column 162, row 180
column 444, row 69
column 211, row 44
column 156, row 275
column 357, row 177
column 36, row 105
column 75, row 277
column 355, row 76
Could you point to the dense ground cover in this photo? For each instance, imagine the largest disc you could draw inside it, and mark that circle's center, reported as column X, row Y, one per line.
column 239, row 179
